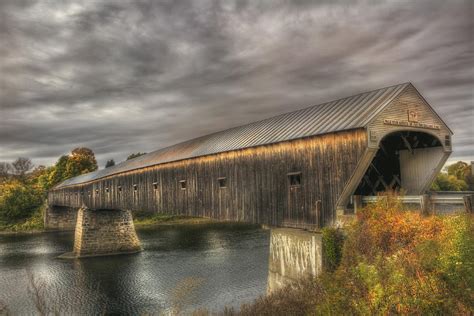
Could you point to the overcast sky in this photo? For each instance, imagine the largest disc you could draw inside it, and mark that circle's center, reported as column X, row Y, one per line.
column 127, row 76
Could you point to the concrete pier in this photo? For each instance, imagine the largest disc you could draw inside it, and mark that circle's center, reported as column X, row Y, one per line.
column 104, row 232
column 294, row 254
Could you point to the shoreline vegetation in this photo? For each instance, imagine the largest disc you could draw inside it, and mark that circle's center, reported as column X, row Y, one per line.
column 141, row 220
column 389, row 260
column 31, row 225
column 24, row 187
column 150, row 220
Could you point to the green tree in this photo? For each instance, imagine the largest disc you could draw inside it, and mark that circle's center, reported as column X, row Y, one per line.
column 446, row 182
column 459, row 169
column 135, row 155
column 82, row 160
column 58, row 173
column 110, row 163
column 42, row 179
column 455, row 177
column 18, row 200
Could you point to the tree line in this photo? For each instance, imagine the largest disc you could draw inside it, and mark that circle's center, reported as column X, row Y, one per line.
column 455, row 177
column 24, row 187
column 111, row 162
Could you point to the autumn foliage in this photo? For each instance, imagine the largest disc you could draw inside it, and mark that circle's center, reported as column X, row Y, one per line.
column 394, row 261
column 23, row 189
column 400, row 261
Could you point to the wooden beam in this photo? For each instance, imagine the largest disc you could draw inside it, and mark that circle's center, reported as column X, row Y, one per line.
column 380, row 180
column 383, row 149
column 407, row 143
column 469, row 203
column 369, row 183
column 376, row 170
column 426, row 205
column 357, row 199
column 395, row 180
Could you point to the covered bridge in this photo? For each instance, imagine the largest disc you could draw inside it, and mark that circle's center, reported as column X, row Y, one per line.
column 297, row 169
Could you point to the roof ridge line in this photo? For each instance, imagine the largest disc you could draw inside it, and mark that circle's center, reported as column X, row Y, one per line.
column 272, row 117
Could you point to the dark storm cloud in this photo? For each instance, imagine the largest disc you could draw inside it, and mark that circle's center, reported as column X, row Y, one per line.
column 126, row 76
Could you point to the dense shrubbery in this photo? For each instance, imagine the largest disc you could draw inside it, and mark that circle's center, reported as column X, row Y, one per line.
column 455, row 177
column 333, row 240
column 18, row 200
column 393, row 262
column 23, row 190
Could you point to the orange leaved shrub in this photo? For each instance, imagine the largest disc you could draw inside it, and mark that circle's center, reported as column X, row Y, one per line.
column 394, row 261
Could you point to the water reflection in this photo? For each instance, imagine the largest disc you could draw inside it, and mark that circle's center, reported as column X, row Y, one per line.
column 227, row 266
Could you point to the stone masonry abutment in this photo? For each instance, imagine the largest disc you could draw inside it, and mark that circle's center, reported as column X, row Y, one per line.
column 60, row 217
column 104, row 232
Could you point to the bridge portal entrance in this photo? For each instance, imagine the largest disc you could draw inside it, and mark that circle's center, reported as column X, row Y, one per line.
column 406, row 161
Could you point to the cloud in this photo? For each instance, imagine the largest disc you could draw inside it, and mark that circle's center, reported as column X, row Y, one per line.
column 128, row 76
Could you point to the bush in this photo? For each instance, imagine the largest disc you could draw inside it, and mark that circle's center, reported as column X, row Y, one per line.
column 18, row 200
column 445, row 182
column 33, row 223
column 393, row 262
column 402, row 262
column 333, row 240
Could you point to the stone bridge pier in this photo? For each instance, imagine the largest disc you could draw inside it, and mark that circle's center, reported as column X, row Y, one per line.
column 97, row 232
column 60, row 218
column 295, row 254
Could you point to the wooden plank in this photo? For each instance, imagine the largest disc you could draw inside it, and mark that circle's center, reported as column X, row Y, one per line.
column 257, row 183
column 469, row 203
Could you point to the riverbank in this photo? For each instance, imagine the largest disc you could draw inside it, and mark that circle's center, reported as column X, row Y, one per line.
column 30, row 225
column 141, row 220
column 145, row 220
column 390, row 261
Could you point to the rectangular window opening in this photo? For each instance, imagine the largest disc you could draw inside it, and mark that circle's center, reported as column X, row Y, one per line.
column 119, row 188
column 222, row 182
column 107, row 190
column 135, row 187
column 294, row 179
column 96, row 191
column 155, row 186
column 182, row 184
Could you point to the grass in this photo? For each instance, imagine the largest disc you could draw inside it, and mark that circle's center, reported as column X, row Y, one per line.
column 35, row 222
column 144, row 219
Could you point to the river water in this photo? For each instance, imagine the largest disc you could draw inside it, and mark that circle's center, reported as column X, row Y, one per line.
column 182, row 268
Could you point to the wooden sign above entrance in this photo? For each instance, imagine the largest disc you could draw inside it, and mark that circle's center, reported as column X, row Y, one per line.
column 410, row 124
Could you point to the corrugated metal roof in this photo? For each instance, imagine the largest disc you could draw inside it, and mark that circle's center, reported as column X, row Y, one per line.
column 343, row 114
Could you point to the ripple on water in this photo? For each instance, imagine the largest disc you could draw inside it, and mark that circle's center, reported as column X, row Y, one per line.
column 214, row 267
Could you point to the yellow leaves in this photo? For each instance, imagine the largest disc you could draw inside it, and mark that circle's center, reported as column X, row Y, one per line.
column 396, row 262
column 403, row 262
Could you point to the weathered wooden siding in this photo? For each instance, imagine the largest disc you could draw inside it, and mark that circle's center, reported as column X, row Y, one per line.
column 409, row 99
column 417, row 168
column 257, row 190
